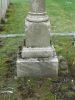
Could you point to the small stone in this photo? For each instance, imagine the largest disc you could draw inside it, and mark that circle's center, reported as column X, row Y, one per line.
column 73, row 87
column 70, row 94
column 74, row 61
column 73, row 43
column 63, row 63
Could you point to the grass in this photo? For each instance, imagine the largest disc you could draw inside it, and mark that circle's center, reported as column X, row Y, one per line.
column 62, row 18
column 61, row 13
column 10, row 46
column 16, row 16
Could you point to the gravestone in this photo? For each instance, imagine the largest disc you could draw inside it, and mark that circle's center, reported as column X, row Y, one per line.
column 0, row 10
column 3, row 8
column 37, row 57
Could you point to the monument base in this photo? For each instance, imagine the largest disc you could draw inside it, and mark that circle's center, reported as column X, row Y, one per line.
column 44, row 64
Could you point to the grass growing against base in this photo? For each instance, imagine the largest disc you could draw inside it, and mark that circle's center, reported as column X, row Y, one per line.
column 62, row 18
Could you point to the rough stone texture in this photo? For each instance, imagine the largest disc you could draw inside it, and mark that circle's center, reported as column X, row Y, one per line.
column 35, row 68
column 37, row 6
column 36, row 64
column 37, row 17
column 38, row 57
column 3, row 8
column 37, row 25
column 38, row 34
column 37, row 52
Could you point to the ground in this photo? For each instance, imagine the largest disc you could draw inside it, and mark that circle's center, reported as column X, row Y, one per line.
column 62, row 18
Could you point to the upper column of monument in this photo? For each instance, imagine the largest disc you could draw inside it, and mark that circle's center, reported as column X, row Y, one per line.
column 37, row 6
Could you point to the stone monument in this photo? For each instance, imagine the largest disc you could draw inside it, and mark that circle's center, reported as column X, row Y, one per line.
column 37, row 57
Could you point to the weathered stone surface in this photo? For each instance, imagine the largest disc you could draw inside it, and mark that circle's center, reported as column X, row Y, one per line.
column 38, row 17
column 37, row 52
column 3, row 8
column 37, row 6
column 63, row 65
column 35, row 68
column 38, row 34
column 37, row 25
column 38, row 57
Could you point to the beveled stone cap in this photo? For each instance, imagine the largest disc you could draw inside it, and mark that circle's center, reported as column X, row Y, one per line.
column 40, row 17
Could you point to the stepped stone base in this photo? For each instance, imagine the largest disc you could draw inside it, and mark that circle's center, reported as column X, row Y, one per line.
column 38, row 57
column 41, row 65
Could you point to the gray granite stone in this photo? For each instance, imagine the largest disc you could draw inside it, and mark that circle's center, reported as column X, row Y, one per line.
column 35, row 68
column 38, row 34
column 3, row 8
column 37, row 6
column 38, row 57
column 46, row 52
column 37, row 25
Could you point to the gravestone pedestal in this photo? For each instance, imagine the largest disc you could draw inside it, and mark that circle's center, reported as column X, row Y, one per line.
column 37, row 56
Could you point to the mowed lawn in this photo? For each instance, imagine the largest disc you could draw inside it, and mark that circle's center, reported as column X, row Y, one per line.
column 61, row 13
column 62, row 18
